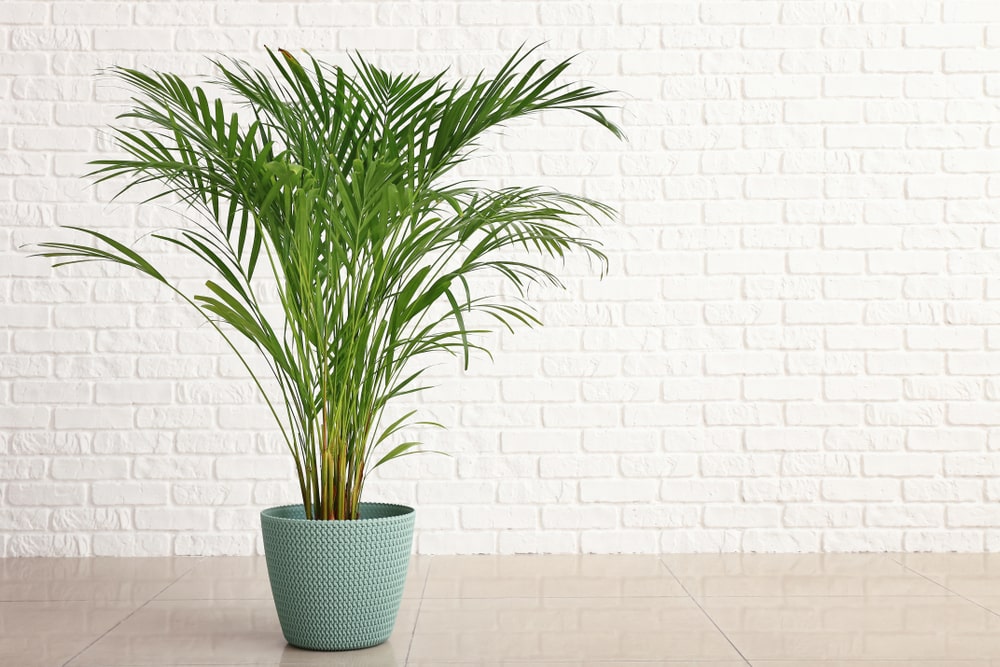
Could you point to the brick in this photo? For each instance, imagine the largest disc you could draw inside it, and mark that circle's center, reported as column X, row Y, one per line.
column 741, row 516
column 617, row 491
column 939, row 389
column 817, row 515
column 662, row 13
column 841, row 490
column 46, row 494
column 50, row 39
column 132, row 39
column 974, row 414
column 91, row 13
column 944, row 440
column 699, row 490
column 823, row 415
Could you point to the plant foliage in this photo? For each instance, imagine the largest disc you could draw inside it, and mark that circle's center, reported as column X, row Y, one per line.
column 334, row 186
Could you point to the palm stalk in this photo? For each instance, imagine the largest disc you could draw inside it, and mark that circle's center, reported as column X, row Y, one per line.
column 334, row 186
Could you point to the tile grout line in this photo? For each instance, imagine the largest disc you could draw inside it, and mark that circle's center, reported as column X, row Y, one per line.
column 707, row 615
column 938, row 583
column 420, row 605
column 130, row 614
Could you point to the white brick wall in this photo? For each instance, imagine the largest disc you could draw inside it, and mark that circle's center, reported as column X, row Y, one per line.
column 796, row 348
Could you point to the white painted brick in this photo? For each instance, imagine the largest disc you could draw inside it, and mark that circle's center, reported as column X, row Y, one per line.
column 101, row 468
column 969, row 60
column 624, row 541
column 974, row 414
column 499, row 517
column 898, row 312
column 782, row 439
column 784, row 338
column 867, row 288
column 972, row 465
column 861, row 490
column 736, row 414
column 549, row 441
column 739, row 465
column 818, row 515
column 862, row 388
column 660, row 517
column 746, row 363
column 835, row 111
column 132, row 39
column 970, row 12
column 909, row 112
column 65, row 546
column 780, row 490
column 90, row 13
column 938, row 389
column 900, row 363
column 835, row 363
column 962, row 541
column 908, row 60
column 781, row 388
column 973, row 517
column 172, row 519
column 913, row 414
column 910, row 515
column 741, row 516
column 49, row 39
column 46, row 494
column 942, row 490
column 45, row 392
column 617, row 491
column 939, row 439
column 663, row 13
column 578, row 518
column 901, row 465
column 699, row 490
column 864, row 338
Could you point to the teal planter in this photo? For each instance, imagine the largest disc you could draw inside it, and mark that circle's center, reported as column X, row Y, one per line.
column 337, row 585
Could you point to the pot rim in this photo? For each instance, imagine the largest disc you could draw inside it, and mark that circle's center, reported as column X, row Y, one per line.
column 271, row 513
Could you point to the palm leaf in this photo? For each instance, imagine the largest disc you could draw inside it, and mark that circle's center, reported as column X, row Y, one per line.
column 334, row 184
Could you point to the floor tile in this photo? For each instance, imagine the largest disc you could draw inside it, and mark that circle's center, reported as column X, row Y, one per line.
column 586, row 663
column 222, row 578
column 245, row 578
column 88, row 579
column 876, row 663
column 221, row 632
column 43, row 634
column 729, row 575
column 583, row 629
column 901, row 628
column 972, row 575
column 549, row 576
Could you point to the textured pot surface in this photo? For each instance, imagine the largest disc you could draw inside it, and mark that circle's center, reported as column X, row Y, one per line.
column 337, row 585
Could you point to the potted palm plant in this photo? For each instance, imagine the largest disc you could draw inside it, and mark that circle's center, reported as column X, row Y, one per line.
column 331, row 188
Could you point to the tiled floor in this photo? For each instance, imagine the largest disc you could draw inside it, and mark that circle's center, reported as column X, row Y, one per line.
column 706, row 610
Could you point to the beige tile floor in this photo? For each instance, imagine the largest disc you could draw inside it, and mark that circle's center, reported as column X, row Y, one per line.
column 914, row 610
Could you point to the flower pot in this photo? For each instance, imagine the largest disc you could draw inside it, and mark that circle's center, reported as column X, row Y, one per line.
column 337, row 585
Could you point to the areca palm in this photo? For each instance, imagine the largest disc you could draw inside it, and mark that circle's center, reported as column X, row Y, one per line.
column 335, row 186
